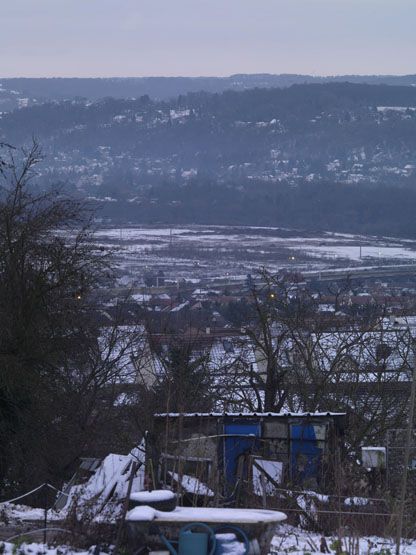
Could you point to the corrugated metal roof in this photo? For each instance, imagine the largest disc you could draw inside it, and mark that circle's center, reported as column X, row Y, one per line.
column 248, row 414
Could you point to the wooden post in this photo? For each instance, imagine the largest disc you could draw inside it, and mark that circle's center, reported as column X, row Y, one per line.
column 134, row 467
column 408, row 444
column 45, row 518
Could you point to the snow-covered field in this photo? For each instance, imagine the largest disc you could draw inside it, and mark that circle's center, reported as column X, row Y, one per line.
column 219, row 251
column 352, row 252
column 299, row 542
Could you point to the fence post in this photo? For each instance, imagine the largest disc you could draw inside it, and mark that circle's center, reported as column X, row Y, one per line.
column 45, row 519
column 408, row 444
column 134, row 467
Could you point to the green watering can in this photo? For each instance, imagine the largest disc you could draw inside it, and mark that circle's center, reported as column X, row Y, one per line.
column 193, row 543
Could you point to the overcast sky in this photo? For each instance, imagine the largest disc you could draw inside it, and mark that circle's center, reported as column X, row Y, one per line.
column 206, row 37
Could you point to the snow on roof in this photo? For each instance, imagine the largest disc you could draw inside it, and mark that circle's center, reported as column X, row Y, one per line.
column 260, row 482
column 112, row 467
column 206, row 292
column 366, row 352
column 229, row 352
column 326, row 308
column 163, row 297
column 108, row 484
column 404, row 322
column 141, row 298
column 192, row 485
column 180, row 307
column 247, row 414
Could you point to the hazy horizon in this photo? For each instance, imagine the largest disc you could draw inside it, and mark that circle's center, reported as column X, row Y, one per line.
column 179, row 76
column 147, row 38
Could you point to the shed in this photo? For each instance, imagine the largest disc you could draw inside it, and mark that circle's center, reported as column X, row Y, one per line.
column 219, row 454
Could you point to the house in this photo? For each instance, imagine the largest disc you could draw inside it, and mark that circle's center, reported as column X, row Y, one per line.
column 228, row 355
column 233, row 455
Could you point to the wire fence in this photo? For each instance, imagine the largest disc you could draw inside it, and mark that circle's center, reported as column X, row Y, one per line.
column 38, row 488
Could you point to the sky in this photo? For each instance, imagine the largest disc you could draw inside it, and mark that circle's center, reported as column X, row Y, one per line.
column 104, row 38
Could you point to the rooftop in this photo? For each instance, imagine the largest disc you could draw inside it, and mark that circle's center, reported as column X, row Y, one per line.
column 248, row 414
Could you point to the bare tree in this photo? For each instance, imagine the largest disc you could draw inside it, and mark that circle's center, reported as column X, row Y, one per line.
column 358, row 363
column 57, row 371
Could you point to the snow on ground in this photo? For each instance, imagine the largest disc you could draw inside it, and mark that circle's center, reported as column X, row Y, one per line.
column 299, row 542
column 205, row 252
column 8, row 548
column 13, row 512
column 402, row 109
column 353, row 252
column 99, row 497
column 126, row 233
column 290, row 540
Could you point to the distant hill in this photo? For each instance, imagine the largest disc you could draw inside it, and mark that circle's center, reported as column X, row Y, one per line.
column 168, row 87
column 335, row 155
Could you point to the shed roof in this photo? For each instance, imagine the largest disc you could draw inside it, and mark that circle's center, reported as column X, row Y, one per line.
column 249, row 414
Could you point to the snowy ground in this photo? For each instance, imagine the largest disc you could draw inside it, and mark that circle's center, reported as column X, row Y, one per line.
column 211, row 251
column 291, row 541
column 113, row 475
column 299, row 542
column 8, row 548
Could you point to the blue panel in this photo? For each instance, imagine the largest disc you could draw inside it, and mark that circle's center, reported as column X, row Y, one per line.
column 305, row 454
column 236, row 446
